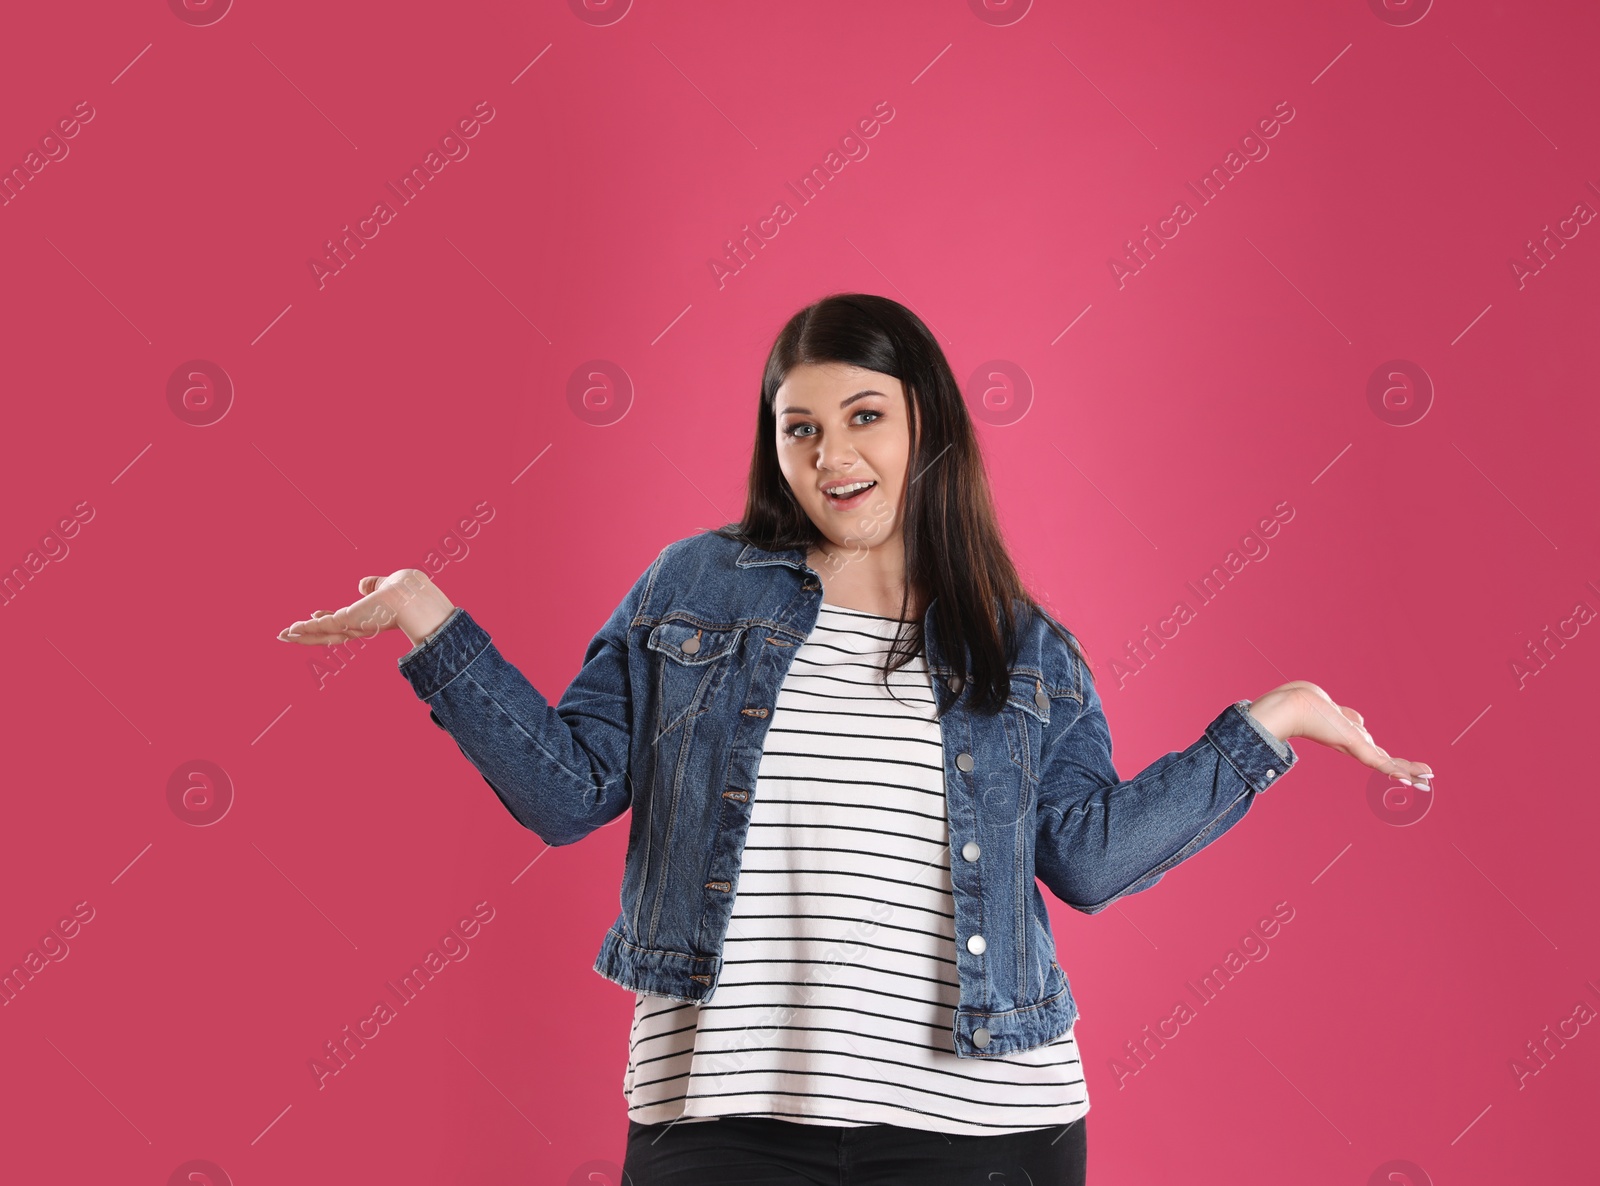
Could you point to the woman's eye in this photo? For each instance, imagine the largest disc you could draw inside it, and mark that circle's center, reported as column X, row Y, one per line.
column 794, row 429
column 868, row 412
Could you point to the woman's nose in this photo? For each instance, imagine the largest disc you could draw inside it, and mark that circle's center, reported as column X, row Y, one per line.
column 834, row 459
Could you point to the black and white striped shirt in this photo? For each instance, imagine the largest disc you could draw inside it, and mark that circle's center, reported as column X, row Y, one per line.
column 839, row 973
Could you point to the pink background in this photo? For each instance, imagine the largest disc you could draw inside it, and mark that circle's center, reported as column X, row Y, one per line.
column 1162, row 417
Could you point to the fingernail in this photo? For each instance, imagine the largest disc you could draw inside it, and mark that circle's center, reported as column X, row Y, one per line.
column 1407, row 781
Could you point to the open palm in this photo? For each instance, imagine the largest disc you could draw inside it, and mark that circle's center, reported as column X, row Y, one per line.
column 1320, row 719
column 383, row 601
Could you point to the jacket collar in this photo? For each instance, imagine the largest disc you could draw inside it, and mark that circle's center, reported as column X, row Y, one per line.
column 753, row 555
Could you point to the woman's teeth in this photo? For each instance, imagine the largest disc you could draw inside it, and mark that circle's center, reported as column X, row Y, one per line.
column 842, row 492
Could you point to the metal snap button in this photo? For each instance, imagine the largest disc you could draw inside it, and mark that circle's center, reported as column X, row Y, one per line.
column 1042, row 701
column 1270, row 772
column 691, row 646
column 980, row 1037
column 956, row 684
column 970, row 851
column 977, row 945
column 964, row 762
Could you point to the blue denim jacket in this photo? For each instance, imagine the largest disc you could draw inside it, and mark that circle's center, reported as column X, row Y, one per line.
column 668, row 716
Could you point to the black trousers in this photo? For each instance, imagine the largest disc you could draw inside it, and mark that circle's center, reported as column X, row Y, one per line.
column 753, row 1151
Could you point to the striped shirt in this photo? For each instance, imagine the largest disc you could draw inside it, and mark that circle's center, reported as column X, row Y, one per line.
column 839, row 973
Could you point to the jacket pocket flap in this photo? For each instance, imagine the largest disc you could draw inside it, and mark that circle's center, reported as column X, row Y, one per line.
column 1028, row 693
column 684, row 642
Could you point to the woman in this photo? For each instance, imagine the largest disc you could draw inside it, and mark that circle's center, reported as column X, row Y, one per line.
column 851, row 741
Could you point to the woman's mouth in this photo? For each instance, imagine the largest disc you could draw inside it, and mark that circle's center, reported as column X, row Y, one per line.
column 850, row 495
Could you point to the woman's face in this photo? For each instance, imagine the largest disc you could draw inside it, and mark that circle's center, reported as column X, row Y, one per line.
column 840, row 425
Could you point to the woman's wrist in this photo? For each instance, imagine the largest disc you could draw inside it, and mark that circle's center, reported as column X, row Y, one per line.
column 1278, row 714
column 421, row 608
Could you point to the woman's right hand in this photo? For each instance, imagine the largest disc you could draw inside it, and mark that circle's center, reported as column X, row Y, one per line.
column 407, row 600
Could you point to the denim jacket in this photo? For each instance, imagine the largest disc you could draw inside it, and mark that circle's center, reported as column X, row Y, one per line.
column 667, row 717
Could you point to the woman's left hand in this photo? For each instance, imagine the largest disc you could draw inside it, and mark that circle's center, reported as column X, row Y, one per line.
column 1301, row 709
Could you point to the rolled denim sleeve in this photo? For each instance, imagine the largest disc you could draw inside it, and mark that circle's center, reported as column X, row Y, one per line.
column 560, row 769
column 1101, row 836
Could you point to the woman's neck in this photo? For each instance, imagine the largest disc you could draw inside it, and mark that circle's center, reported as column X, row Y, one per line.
column 872, row 581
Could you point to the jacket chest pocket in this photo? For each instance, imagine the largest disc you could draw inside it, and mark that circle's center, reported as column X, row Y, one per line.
column 1025, row 716
column 691, row 664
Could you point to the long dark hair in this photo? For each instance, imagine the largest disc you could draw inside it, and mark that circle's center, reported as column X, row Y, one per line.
column 954, row 550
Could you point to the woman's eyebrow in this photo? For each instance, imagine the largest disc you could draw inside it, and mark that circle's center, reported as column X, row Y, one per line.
column 844, row 403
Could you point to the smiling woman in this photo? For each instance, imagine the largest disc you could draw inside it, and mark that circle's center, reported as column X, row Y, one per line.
column 854, row 750
column 856, row 390
column 851, row 449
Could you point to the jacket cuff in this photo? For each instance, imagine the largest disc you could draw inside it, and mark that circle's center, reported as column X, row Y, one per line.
column 1260, row 757
column 446, row 653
